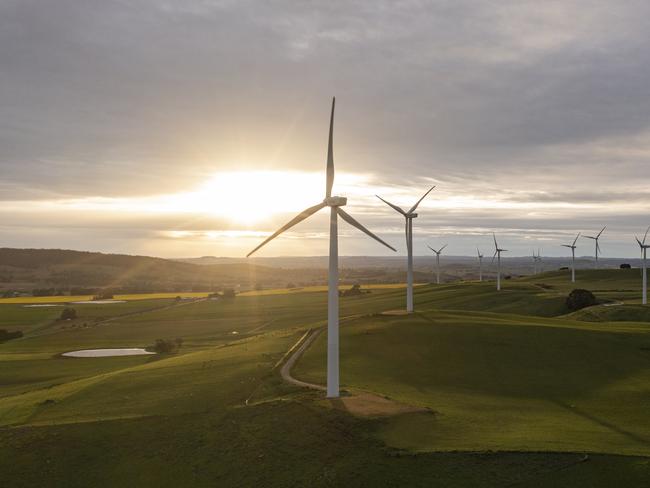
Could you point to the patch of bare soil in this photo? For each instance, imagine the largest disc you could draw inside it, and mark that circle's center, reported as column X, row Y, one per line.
column 395, row 312
column 364, row 404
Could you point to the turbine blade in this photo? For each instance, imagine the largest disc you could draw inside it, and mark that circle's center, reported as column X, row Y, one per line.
column 637, row 240
column 330, row 154
column 496, row 246
column 566, row 245
column 601, row 231
column 348, row 218
column 589, row 237
column 408, row 241
column 646, row 234
column 298, row 218
column 493, row 257
column 431, row 248
column 395, row 207
column 576, row 239
column 478, row 253
column 442, row 248
column 420, row 200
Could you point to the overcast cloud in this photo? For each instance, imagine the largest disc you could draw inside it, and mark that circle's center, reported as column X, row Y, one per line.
column 531, row 117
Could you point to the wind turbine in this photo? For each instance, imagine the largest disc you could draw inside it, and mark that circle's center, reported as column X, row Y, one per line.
column 497, row 254
column 573, row 257
column 335, row 204
column 539, row 260
column 480, row 265
column 597, row 246
column 408, row 216
column 644, row 246
column 437, row 261
column 534, row 262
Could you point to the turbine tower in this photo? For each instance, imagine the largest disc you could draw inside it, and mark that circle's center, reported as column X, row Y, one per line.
column 437, row 261
column 335, row 203
column 408, row 216
column 497, row 254
column 644, row 246
column 573, row 257
column 480, row 265
column 534, row 262
column 597, row 246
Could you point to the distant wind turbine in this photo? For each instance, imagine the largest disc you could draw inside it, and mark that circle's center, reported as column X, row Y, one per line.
column 437, row 261
column 534, row 262
column 409, row 216
column 497, row 254
column 597, row 246
column 644, row 247
column 480, row 265
column 573, row 257
column 335, row 204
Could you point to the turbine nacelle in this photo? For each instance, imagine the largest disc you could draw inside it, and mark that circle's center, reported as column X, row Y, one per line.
column 335, row 201
column 411, row 215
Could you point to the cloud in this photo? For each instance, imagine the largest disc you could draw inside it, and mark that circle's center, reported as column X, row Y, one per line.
column 528, row 115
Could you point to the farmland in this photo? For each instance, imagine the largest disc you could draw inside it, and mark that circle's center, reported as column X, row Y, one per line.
column 512, row 388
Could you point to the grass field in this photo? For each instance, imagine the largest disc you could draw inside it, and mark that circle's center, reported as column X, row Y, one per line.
column 516, row 389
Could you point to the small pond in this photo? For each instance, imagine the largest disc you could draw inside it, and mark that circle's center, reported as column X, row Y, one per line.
column 103, row 353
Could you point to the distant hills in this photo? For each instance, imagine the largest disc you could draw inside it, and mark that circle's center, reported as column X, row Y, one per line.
column 28, row 269
column 69, row 271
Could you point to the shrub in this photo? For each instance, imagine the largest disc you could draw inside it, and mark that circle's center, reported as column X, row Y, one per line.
column 626, row 266
column 68, row 314
column 579, row 299
column 354, row 291
column 228, row 293
column 103, row 295
column 167, row 346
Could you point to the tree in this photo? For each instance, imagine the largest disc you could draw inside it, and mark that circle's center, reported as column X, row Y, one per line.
column 167, row 346
column 68, row 314
column 354, row 291
column 579, row 299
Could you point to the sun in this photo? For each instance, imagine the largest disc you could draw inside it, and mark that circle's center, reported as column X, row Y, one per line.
column 251, row 196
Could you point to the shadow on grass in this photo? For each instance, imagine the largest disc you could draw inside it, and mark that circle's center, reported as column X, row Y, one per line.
column 604, row 423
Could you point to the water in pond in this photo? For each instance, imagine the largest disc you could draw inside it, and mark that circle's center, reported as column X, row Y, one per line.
column 102, row 353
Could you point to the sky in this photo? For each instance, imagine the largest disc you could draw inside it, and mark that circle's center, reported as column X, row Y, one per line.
column 182, row 129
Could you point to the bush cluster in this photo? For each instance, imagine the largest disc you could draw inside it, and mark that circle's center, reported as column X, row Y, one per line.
column 167, row 346
column 579, row 299
column 68, row 314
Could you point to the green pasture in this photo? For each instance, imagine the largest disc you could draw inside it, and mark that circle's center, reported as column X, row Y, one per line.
column 516, row 390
